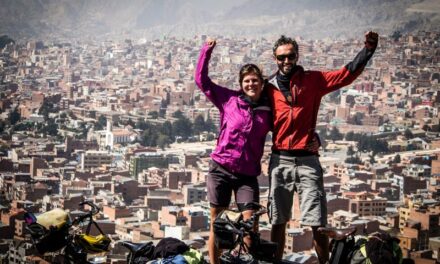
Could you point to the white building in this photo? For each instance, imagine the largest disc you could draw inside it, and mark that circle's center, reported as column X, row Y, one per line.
column 179, row 232
column 109, row 137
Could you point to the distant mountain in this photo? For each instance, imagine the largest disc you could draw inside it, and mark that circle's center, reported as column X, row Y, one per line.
column 335, row 18
column 158, row 18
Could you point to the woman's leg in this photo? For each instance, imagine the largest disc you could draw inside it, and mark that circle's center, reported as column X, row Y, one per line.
column 214, row 252
column 219, row 195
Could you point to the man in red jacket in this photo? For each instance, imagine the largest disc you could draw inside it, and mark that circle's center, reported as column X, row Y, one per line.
column 295, row 96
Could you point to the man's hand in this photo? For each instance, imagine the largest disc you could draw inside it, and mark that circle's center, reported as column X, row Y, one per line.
column 371, row 40
column 314, row 144
column 211, row 42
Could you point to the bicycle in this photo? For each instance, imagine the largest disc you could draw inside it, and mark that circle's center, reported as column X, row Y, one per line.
column 230, row 233
column 53, row 231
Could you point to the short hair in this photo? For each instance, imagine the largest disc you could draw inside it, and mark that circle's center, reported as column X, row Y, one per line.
column 250, row 69
column 283, row 40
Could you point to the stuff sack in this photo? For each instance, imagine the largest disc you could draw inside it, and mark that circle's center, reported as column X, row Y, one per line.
column 224, row 235
column 377, row 248
column 49, row 231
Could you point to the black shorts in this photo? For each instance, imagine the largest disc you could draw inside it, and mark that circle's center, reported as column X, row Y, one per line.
column 221, row 184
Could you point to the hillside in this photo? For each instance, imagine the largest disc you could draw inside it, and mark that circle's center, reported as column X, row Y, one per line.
column 308, row 18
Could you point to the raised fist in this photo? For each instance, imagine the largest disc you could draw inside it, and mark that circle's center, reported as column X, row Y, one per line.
column 371, row 40
column 211, row 42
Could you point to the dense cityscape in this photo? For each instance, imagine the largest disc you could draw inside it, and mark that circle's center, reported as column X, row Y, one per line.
column 123, row 124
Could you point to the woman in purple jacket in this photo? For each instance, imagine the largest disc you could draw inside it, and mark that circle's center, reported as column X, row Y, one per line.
column 245, row 120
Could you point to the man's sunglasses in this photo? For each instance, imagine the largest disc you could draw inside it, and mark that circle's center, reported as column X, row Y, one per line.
column 290, row 56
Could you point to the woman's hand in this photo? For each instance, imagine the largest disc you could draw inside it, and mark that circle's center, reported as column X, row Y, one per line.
column 211, row 42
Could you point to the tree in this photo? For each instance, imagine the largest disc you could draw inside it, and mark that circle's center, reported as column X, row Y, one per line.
column 182, row 127
column 397, row 159
column 141, row 124
column 396, row 35
column 167, row 129
column 408, row 134
column 370, row 143
column 46, row 108
column 5, row 40
column 334, row 96
column 84, row 130
column 162, row 112
column 372, row 159
column 150, row 136
column 4, row 148
column 163, row 141
column 153, row 114
column 177, row 114
column 130, row 123
column 210, row 137
column 350, row 151
column 14, row 116
column 357, row 136
column 335, row 134
column 353, row 160
column 210, row 126
column 357, row 118
column 199, row 125
column 23, row 126
column 380, row 146
column 102, row 122
column 50, row 128
column 322, row 132
column 349, row 136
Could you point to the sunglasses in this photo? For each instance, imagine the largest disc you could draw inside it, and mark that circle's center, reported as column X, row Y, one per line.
column 290, row 56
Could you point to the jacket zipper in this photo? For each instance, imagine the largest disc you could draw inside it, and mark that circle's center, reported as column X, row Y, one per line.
column 291, row 136
column 251, row 112
column 291, row 114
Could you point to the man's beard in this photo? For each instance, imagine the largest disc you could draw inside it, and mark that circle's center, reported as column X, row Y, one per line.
column 288, row 71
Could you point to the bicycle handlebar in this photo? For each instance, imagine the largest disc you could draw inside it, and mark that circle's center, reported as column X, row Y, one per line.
column 94, row 210
column 241, row 226
column 259, row 213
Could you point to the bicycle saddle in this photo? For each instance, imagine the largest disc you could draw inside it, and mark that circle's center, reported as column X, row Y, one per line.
column 134, row 247
column 337, row 234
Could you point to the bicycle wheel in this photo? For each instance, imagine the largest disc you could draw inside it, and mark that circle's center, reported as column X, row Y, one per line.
column 230, row 258
column 74, row 255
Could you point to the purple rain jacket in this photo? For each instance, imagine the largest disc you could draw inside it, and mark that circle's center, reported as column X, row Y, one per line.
column 243, row 129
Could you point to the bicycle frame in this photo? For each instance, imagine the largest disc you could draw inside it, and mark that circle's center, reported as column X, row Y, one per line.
column 76, row 249
column 341, row 249
column 259, row 249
